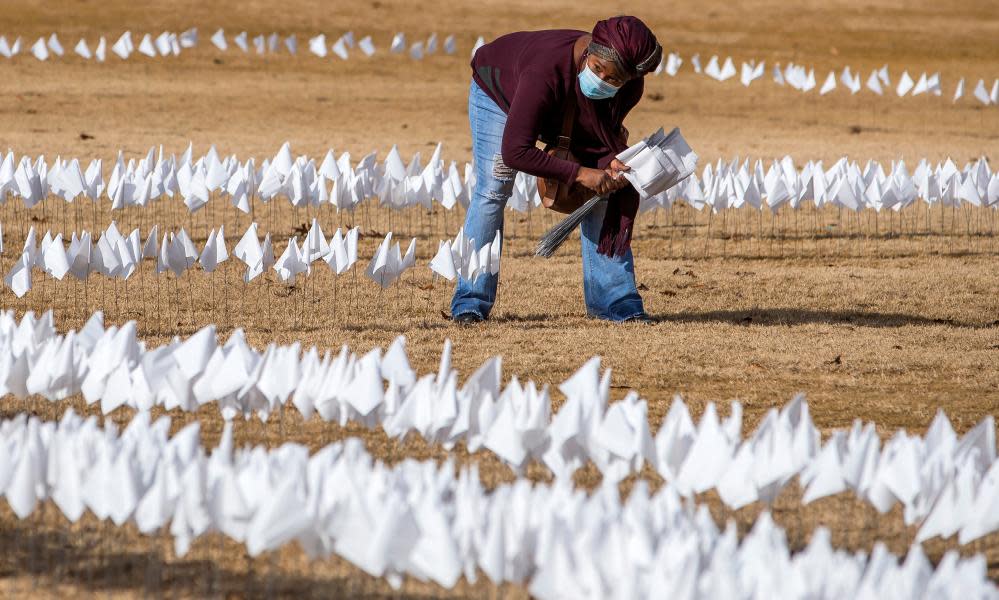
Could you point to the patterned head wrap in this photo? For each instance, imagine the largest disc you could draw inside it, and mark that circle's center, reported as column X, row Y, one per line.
column 627, row 42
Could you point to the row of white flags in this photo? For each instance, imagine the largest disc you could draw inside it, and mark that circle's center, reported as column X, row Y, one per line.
column 118, row 256
column 791, row 75
column 946, row 484
column 803, row 79
column 170, row 43
column 845, row 184
column 337, row 182
column 302, row 181
column 422, row 520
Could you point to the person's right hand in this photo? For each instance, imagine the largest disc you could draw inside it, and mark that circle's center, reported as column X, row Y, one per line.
column 598, row 180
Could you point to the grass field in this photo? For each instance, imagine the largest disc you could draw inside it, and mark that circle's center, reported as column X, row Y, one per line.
column 886, row 322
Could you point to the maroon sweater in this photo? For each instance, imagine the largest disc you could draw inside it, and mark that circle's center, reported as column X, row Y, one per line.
column 529, row 75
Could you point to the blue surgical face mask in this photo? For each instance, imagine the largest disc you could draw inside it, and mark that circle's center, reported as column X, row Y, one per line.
column 593, row 87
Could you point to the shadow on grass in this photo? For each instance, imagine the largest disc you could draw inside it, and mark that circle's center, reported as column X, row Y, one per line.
column 521, row 318
column 803, row 316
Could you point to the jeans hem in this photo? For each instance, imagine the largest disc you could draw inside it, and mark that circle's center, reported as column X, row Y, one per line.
column 619, row 313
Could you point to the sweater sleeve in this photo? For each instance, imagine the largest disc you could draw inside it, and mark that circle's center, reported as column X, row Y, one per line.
column 532, row 102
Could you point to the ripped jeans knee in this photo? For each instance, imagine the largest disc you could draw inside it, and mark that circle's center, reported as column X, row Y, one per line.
column 500, row 187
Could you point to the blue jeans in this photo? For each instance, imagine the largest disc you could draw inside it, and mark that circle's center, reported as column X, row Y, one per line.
column 608, row 282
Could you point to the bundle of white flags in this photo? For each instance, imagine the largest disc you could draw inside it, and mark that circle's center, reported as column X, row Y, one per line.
column 460, row 257
column 424, row 520
column 658, row 162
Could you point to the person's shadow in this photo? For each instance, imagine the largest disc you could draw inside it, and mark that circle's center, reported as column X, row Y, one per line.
column 802, row 316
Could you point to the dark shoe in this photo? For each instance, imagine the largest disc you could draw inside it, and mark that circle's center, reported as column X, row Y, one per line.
column 467, row 319
column 643, row 318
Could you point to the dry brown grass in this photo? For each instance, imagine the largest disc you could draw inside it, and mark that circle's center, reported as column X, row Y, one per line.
column 886, row 327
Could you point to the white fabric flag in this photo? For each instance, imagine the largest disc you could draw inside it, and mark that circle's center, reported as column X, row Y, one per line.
column 82, row 49
column 218, row 40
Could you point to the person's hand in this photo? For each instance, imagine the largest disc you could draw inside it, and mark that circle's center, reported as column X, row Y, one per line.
column 615, row 169
column 616, row 166
column 598, row 180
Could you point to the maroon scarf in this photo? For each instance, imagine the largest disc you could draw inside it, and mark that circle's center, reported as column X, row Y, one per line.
column 638, row 48
column 622, row 205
